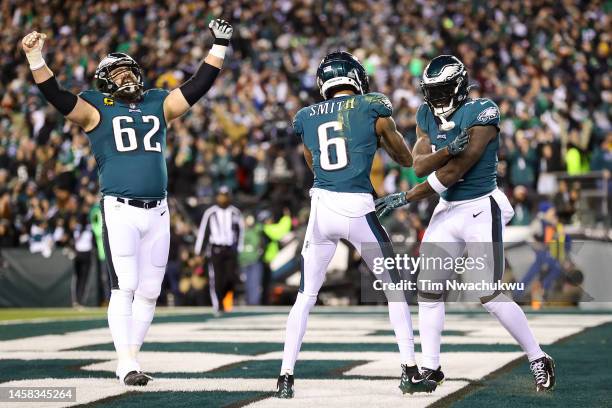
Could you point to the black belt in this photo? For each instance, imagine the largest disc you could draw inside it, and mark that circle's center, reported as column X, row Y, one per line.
column 140, row 204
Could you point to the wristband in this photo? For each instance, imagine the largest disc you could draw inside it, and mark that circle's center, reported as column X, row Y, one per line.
column 222, row 41
column 218, row 50
column 433, row 181
column 36, row 60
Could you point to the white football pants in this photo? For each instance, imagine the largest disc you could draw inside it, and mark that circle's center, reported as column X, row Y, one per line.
column 136, row 243
column 325, row 228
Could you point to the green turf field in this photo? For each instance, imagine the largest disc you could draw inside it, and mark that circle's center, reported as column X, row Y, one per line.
column 349, row 357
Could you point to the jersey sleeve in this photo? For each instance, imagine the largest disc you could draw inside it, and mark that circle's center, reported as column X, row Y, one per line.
column 298, row 126
column 158, row 95
column 93, row 97
column 422, row 117
column 380, row 105
column 484, row 113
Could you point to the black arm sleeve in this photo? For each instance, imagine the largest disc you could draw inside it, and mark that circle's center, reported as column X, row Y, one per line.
column 199, row 83
column 63, row 100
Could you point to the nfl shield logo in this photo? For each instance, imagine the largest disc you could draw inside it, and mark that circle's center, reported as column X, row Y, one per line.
column 132, row 105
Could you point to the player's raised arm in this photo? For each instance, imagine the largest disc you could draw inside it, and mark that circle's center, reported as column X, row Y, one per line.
column 392, row 141
column 70, row 105
column 426, row 161
column 185, row 96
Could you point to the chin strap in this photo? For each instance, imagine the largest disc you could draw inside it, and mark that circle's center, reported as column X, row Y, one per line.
column 445, row 126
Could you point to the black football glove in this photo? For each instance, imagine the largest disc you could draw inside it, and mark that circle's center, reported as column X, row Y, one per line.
column 459, row 144
column 389, row 203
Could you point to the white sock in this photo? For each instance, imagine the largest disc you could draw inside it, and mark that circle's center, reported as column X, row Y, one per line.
column 120, row 323
column 296, row 327
column 431, row 324
column 399, row 315
column 143, row 310
column 120, row 317
column 512, row 317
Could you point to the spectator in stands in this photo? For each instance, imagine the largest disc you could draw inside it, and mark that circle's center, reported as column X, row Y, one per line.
column 523, row 161
column 273, row 234
column 565, row 202
column 250, row 260
column 522, row 206
column 601, row 159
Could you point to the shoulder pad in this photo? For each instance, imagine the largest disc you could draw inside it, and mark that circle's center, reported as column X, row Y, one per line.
column 156, row 93
column 482, row 112
column 297, row 122
column 422, row 116
column 380, row 104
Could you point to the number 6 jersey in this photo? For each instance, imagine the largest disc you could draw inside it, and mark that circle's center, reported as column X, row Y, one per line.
column 129, row 145
column 341, row 135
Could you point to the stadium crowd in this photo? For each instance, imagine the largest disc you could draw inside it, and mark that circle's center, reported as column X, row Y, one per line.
column 544, row 63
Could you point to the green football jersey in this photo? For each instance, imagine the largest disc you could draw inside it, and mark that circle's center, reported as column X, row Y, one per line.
column 341, row 135
column 481, row 179
column 129, row 145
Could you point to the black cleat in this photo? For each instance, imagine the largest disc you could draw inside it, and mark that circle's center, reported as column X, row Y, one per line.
column 284, row 387
column 543, row 370
column 137, row 378
column 414, row 381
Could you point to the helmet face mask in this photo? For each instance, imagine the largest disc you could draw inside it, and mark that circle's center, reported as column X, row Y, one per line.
column 340, row 70
column 110, row 77
column 445, row 85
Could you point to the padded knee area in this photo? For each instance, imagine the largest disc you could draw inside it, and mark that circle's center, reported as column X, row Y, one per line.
column 151, row 288
column 120, row 302
column 143, row 308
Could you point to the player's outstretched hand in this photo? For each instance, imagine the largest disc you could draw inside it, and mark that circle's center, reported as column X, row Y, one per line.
column 459, row 144
column 221, row 30
column 389, row 203
column 33, row 42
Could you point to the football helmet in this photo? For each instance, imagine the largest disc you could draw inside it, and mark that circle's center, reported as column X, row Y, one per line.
column 445, row 85
column 340, row 70
column 104, row 77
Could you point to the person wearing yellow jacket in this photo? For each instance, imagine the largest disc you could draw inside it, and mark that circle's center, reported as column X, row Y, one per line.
column 273, row 233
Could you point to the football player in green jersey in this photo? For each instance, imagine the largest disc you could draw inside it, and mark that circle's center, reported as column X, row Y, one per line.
column 126, row 127
column 341, row 135
column 457, row 144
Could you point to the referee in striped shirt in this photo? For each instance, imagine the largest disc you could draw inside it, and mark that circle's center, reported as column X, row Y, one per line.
column 220, row 236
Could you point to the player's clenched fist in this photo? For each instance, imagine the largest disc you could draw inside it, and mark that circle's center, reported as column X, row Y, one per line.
column 32, row 45
column 221, row 30
column 33, row 41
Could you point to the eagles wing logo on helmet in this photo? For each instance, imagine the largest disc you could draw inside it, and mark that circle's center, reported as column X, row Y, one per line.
column 341, row 70
column 104, row 79
column 445, row 85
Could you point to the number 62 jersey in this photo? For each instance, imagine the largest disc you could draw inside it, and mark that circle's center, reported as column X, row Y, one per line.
column 129, row 145
column 341, row 135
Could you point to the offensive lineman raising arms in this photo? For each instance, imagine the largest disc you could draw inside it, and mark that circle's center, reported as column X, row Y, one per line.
column 126, row 127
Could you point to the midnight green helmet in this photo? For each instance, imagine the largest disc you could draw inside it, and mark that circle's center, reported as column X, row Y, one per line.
column 341, row 70
column 104, row 76
column 445, row 84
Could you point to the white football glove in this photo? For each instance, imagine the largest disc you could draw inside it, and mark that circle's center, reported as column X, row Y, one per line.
column 221, row 30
